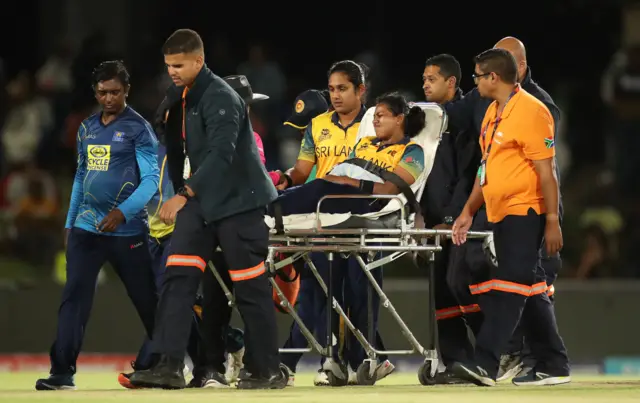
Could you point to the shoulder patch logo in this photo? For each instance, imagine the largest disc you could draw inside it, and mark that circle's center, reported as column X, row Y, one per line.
column 118, row 137
column 549, row 142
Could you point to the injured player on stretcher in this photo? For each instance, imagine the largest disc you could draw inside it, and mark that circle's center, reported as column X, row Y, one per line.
column 385, row 164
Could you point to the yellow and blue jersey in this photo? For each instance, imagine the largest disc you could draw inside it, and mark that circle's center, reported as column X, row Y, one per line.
column 326, row 143
column 404, row 154
column 117, row 168
column 157, row 228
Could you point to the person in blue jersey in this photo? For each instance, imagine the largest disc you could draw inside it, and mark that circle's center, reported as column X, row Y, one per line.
column 116, row 176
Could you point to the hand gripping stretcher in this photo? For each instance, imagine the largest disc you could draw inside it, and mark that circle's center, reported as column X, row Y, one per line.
column 392, row 230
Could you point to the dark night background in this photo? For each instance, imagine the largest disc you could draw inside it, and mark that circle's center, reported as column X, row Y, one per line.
column 570, row 45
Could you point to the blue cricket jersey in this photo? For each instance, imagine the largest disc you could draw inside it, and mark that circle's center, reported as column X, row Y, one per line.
column 157, row 228
column 117, row 168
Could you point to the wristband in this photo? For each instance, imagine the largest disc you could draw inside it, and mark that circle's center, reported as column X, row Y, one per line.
column 184, row 193
column 366, row 186
column 288, row 179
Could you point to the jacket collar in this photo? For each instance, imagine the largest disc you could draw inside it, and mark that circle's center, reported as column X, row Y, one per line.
column 174, row 93
column 457, row 96
column 526, row 81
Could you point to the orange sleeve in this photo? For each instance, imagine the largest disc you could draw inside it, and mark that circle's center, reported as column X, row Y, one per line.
column 538, row 140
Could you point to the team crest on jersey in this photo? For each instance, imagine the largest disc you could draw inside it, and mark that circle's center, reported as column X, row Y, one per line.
column 392, row 152
column 324, row 135
column 118, row 137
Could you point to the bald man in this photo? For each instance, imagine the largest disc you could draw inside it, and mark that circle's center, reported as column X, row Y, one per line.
column 519, row 354
column 467, row 114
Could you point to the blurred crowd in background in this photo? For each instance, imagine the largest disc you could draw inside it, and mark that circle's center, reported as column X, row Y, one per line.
column 40, row 112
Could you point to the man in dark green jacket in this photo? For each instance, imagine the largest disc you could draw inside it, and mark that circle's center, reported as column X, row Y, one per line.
column 221, row 203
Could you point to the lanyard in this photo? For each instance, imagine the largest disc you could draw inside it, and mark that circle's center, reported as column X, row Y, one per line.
column 495, row 127
column 184, row 113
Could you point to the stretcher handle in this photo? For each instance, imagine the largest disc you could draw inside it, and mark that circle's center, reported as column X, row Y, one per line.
column 390, row 197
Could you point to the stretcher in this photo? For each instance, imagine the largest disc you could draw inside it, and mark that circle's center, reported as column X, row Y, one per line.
column 395, row 230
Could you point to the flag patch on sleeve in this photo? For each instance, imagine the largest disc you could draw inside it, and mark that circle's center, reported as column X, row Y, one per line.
column 549, row 142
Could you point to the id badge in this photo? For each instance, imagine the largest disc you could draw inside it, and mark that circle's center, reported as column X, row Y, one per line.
column 482, row 173
column 186, row 170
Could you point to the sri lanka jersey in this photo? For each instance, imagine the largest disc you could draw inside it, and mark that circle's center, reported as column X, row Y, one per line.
column 157, row 228
column 326, row 143
column 117, row 168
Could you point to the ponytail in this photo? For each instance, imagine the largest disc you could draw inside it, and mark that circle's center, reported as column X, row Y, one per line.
column 414, row 121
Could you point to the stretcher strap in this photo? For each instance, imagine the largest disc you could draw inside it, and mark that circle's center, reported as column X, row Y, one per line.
column 277, row 216
column 508, row 286
column 186, row 260
column 387, row 176
column 247, row 274
column 455, row 311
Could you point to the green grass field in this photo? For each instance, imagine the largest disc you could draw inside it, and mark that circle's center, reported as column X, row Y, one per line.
column 400, row 388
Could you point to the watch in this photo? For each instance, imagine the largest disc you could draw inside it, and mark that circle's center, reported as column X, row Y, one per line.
column 184, row 193
column 448, row 220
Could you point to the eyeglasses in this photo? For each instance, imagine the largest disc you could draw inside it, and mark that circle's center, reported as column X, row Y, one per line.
column 477, row 77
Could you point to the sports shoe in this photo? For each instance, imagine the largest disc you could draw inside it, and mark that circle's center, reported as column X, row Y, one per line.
column 234, row 365
column 534, row 378
column 353, row 378
column 473, row 373
column 248, row 381
column 123, row 378
column 168, row 374
column 208, row 379
column 510, row 365
column 384, row 369
column 291, row 376
column 447, row 377
column 56, row 382
column 321, row 379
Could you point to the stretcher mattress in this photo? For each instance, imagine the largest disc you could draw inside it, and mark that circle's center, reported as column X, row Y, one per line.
column 388, row 216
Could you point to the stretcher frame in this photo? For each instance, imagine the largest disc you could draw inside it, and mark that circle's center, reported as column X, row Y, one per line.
column 353, row 242
column 396, row 240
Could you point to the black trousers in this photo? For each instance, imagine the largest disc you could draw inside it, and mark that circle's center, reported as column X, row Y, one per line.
column 86, row 254
column 519, row 343
column 451, row 310
column 517, row 289
column 243, row 239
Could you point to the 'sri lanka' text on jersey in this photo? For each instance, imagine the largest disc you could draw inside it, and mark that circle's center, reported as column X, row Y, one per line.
column 117, row 168
column 326, row 143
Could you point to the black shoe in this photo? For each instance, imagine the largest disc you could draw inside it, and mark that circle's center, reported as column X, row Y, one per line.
column 166, row 375
column 56, row 382
column 447, row 377
column 248, row 381
column 473, row 373
column 208, row 379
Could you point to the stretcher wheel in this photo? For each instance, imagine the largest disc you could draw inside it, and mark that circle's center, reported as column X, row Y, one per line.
column 337, row 381
column 285, row 371
column 424, row 374
column 363, row 376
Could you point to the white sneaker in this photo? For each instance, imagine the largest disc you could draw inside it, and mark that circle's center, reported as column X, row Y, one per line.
column 188, row 366
column 353, row 378
column 384, row 369
column 234, row 365
column 321, row 379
